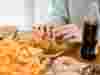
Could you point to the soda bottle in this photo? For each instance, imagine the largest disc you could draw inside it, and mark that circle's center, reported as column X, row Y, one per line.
column 89, row 41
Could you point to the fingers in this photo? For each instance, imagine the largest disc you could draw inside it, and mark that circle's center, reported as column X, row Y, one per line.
column 69, row 31
column 65, row 27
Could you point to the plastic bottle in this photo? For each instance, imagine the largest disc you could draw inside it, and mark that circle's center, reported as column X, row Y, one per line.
column 88, row 45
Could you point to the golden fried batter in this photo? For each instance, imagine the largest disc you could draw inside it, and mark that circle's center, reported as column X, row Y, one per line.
column 15, row 54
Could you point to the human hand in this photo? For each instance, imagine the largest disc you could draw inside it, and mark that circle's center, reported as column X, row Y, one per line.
column 70, row 32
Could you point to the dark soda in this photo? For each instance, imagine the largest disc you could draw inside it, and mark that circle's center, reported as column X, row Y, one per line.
column 88, row 45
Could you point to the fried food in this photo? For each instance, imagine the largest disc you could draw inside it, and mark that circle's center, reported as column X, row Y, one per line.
column 28, row 55
column 44, row 44
column 12, row 52
column 7, row 56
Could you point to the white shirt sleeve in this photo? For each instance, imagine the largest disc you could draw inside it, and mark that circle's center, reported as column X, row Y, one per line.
column 49, row 20
column 56, row 13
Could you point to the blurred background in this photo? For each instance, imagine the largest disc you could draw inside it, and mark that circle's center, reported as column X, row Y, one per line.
column 23, row 13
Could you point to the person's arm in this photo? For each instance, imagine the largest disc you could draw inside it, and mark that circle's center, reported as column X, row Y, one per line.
column 56, row 8
column 56, row 11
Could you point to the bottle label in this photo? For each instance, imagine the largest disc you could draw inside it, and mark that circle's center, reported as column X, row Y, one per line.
column 88, row 53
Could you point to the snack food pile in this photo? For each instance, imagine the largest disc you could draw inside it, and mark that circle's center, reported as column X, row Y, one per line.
column 38, row 56
column 16, row 58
